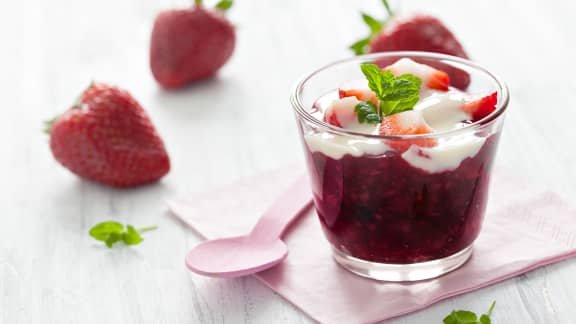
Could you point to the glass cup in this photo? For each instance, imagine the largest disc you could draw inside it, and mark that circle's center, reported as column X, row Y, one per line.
column 399, row 214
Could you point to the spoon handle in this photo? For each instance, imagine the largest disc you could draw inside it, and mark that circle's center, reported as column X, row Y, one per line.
column 285, row 209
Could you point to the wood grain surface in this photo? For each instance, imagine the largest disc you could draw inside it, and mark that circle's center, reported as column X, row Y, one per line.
column 235, row 125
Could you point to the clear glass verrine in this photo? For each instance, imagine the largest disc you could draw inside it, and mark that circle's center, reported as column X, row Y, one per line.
column 399, row 216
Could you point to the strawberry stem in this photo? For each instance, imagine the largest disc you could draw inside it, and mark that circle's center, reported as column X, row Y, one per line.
column 48, row 125
column 388, row 9
column 198, row 2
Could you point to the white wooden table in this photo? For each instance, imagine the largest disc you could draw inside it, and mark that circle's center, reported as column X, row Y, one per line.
column 236, row 125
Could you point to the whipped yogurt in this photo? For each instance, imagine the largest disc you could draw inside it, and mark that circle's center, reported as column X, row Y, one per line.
column 440, row 110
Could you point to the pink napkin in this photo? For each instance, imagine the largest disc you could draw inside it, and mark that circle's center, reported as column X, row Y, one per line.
column 524, row 229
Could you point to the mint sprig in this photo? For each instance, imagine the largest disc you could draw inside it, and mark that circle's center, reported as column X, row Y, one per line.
column 396, row 94
column 468, row 317
column 367, row 113
column 112, row 232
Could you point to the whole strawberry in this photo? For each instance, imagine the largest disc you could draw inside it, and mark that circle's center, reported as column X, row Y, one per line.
column 414, row 32
column 107, row 137
column 190, row 44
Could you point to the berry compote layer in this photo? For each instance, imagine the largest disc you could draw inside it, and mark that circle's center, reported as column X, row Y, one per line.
column 402, row 201
column 383, row 209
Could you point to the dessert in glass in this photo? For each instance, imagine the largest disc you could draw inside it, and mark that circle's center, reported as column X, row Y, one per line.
column 399, row 160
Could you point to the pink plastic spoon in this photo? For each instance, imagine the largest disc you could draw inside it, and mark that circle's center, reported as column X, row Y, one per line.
column 259, row 250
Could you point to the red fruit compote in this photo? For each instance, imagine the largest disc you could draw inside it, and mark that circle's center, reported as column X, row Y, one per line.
column 399, row 160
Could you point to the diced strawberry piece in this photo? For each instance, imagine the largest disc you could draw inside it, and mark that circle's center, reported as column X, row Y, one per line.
column 482, row 107
column 459, row 79
column 358, row 89
column 406, row 123
column 431, row 77
column 360, row 94
column 341, row 112
column 330, row 118
column 439, row 80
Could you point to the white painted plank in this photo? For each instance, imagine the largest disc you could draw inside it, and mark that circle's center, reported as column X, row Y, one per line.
column 233, row 126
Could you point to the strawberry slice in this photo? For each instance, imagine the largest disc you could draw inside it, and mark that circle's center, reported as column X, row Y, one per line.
column 482, row 107
column 406, row 123
column 341, row 112
column 431, row 77
column 358, row 89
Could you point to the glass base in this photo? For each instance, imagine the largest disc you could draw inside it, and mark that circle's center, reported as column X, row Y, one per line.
column 402, row 272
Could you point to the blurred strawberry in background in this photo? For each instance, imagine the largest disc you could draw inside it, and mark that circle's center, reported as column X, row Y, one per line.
column 413, row 32
column 190, row 44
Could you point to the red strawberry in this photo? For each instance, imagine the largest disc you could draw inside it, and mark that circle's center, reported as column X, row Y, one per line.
column 341, row 112
column 431, row 77
column 107, row 137
column 417, row 33
column 406, row 123
column 358, row 89
column 190, row 44
column 414, row 33
column 482, row 107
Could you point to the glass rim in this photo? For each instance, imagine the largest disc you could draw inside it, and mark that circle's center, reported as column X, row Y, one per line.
column 296, row 100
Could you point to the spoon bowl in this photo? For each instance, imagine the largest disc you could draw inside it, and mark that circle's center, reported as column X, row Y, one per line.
column 235, row 256
column 262, row 248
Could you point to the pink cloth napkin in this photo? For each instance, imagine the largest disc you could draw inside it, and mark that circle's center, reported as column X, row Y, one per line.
column 524, row 229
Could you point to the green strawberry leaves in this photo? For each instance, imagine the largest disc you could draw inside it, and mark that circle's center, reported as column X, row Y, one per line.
column 468, row 317
column 374, row 25
column 362, row 46
column 224, row 5
column 112, row 232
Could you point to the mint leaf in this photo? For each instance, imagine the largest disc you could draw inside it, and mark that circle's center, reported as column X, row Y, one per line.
column 361, row 46
column 468, row 317
column 224, row 5
column 112, row 238
column 131, row 236
column 396, row 94
column 101, row 231
column 377, row 79
column 484, row 319
column 374, row 25
column 111, row 232
column 367, row 113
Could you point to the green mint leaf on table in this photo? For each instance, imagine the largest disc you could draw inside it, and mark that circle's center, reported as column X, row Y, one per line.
column 468, row 317
column 396, row 94
column 485, row 318
column 131, row 236
column 103, row 230
column 112, row 238
column 461, row 317
column 111, row 232
column 367, row 113
column 224, row 5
